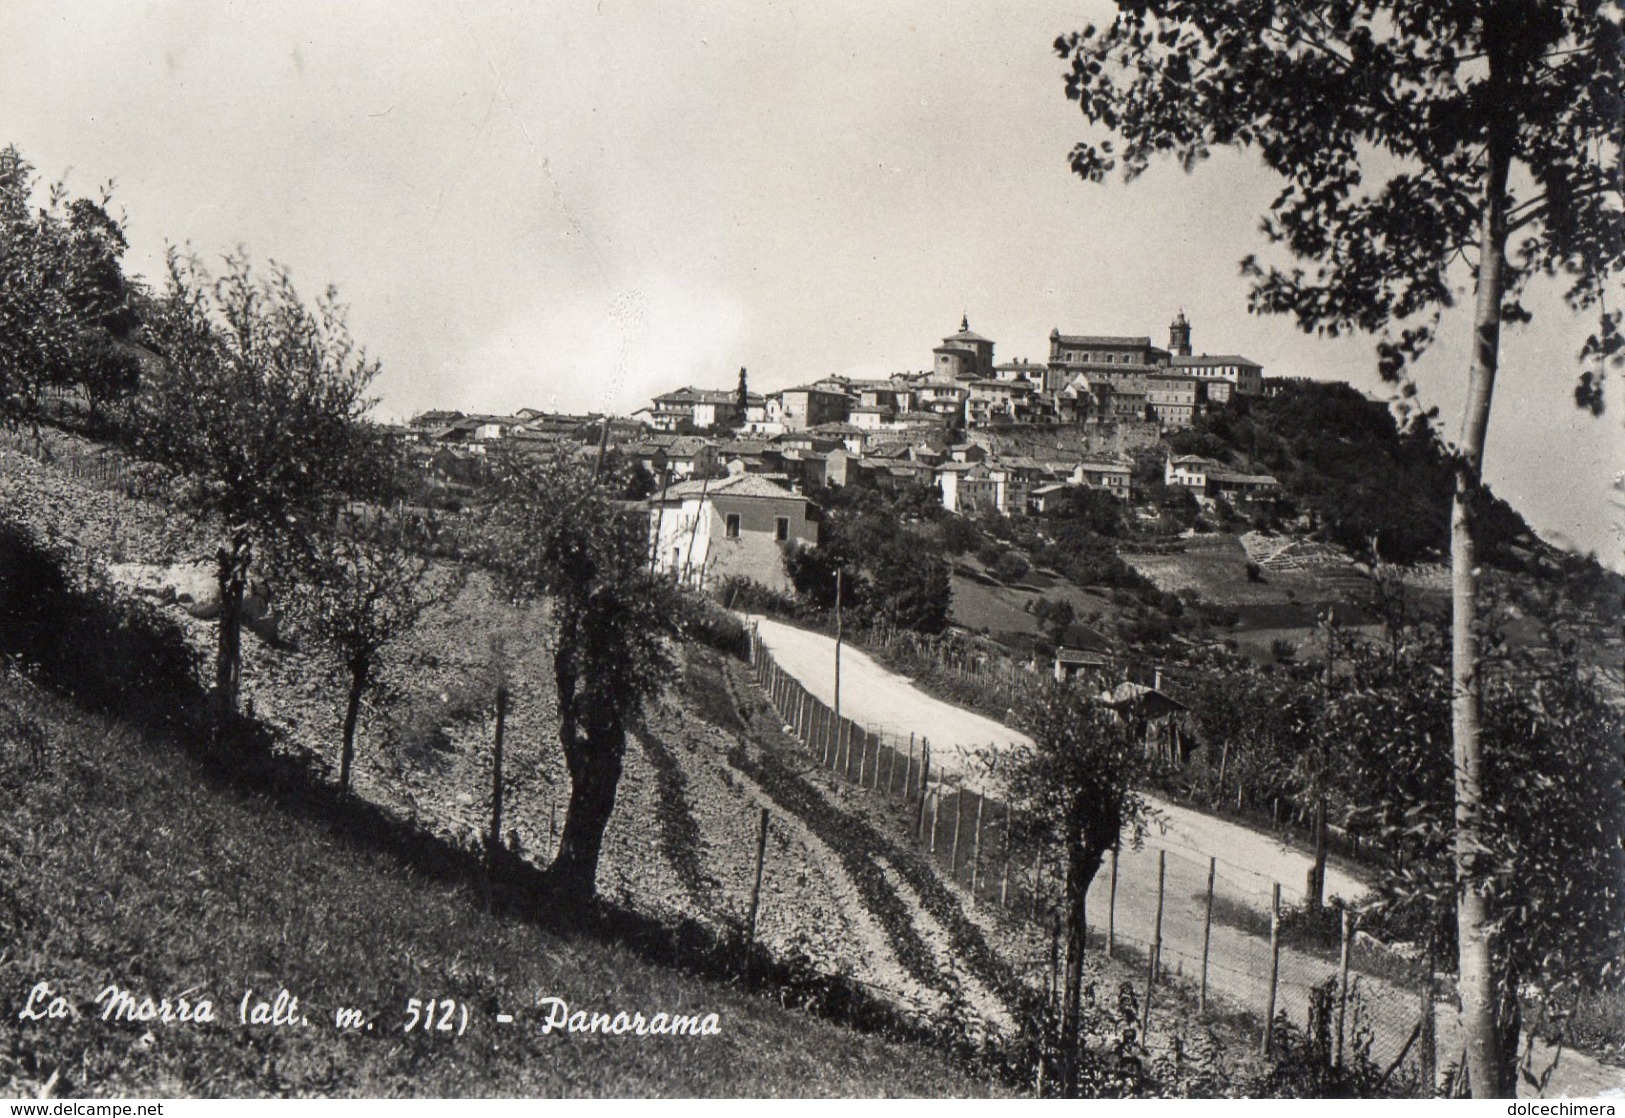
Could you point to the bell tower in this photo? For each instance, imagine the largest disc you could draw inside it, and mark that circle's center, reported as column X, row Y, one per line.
column 1179, row 336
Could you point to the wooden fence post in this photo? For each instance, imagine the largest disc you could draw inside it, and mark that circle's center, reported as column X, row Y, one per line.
column 959, row 825
column 891, row 773
column 1111, row 910
column 1004, row 873
column 936, row 815
column 976, row 849
column 1207, row 933
column 1154, row 956
column 925, row 786
column 908, row 771
column 756, row 893
column 1343, row 986
column 1275, row 966
column 496, row 778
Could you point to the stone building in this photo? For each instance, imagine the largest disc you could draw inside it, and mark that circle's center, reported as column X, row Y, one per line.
column 965, row 355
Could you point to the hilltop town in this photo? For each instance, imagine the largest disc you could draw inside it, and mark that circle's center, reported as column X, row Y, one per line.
column 1011, row 437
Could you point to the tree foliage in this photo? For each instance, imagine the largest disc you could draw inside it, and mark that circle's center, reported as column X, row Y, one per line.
column 556, row 530
column 1554, row 809
column 363, row 588
column 1076, row 789
column 68, row 315
column 258, row 405
column 893, row 572
column 1420, row 143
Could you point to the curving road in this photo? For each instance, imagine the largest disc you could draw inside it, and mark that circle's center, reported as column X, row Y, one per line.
column 1248, row 863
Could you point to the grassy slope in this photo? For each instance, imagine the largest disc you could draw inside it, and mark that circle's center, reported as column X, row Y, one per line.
column 122, row 860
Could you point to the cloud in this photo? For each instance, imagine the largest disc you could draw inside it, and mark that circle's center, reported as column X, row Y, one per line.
column 604, row 350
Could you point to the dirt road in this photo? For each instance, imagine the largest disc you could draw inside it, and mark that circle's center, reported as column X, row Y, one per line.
column 1247, row 865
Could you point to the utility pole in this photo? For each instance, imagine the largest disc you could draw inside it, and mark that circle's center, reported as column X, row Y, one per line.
column 838, row 634
column 660, row 520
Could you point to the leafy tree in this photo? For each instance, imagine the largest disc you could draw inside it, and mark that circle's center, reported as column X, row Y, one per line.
column 259, row 405
column 1101, row 512
column 106, row 361
column 556, row 529
column 1418, row 140
column 1055, row 617
column 364, row 588
column 908, row 587
column 1010, row 566
column 1077, row 788
column 894, row 575
column 67, row 313
column 1554, row 810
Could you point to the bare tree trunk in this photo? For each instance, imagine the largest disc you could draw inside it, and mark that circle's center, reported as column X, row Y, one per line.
column 352, row 713
column 231, row 574
column 595, row 773
column 1474, row 947
column 1083, row 862
column 594, row 740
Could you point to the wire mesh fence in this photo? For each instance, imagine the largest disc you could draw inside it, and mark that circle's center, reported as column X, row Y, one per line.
column 1225, row 930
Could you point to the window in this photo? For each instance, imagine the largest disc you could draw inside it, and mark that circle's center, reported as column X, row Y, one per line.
column 781, row 528
column 733, row 526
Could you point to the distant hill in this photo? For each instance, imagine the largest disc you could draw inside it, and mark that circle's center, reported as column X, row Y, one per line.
column 1344, row 459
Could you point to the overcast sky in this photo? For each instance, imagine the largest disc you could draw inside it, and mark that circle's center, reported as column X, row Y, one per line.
column 576, row 206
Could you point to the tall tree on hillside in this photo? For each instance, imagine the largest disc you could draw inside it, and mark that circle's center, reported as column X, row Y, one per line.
column 259, row 405
column 557, row 530
column 1418, row 140
column 741, row 395
column 1077, row 788
column 363, row 587
column 67, row 312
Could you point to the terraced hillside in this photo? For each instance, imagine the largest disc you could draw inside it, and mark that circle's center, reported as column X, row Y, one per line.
column 322, row 904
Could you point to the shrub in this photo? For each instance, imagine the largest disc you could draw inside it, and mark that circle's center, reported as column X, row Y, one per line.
column 1011, row 566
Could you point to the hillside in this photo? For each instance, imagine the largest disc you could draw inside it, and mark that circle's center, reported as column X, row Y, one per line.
column 135, row 857
column 128, row 856
column 1360, row 478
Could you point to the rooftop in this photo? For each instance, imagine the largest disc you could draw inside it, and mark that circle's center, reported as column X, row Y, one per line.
column 1205, row 360
column 1140, row 342
column 735, row 485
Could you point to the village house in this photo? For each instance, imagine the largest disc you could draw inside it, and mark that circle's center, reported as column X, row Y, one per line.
column 1114, row 477
column 796, row 409
column 702, row 532
column 700, row 409
column 1223, row 375
column 1175, row 400
column 942, row 398
column 1212, row 479
column 675, row 456
column 993, row 400
column 1073, row 662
